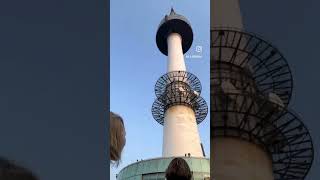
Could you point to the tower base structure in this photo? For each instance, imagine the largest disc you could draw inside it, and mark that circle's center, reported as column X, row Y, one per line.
column 156, row 168
column 235, row 159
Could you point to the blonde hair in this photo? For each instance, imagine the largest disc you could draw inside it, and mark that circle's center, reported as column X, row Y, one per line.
column 117, row 138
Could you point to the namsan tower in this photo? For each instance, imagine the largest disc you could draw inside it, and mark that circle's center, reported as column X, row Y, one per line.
column 178, row 107
column 253, row 133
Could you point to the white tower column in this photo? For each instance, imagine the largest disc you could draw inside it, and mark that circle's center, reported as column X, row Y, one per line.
column 225, row 13
column 175, row 53
column 180, row 131
column 235, row 159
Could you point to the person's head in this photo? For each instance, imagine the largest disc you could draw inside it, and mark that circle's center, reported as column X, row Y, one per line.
column 11, row 171
column 117, row 137
column 178, row 169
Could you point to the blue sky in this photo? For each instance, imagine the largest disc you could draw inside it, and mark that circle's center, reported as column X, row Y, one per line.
column 136, row 64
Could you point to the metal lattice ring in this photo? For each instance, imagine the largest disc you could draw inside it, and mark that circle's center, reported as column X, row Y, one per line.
column 276, row 129
column 267, row 65
column 160, row 106
column 174, row 76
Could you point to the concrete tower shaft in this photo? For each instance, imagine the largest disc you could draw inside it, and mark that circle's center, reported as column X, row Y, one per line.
column 180, row 130
column 175, row 53
column 235, row 159
column 225, row 13
column 180, row 133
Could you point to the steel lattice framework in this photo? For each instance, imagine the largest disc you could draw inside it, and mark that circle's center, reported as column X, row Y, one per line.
column 244, row 71
column 178, row 88
column 266, row 64
column 177, row 76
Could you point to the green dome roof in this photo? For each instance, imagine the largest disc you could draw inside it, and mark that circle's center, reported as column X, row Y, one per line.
column 155, row 168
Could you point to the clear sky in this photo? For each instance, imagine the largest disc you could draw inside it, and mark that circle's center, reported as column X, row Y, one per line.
column 136, row 64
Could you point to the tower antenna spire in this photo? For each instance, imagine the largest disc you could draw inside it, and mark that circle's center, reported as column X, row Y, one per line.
column 172, row 10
